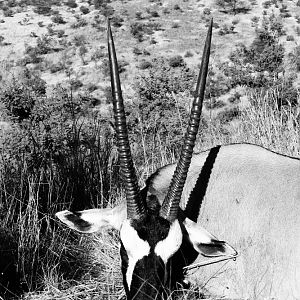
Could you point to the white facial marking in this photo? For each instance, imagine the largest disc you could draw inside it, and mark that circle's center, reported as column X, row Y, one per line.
column 135, row 247
column 167, row 247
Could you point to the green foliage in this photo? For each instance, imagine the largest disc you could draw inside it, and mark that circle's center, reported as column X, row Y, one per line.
column 99, row 3
column 138, row 29
column 84, row 9
column 144, row 64
column 122, row 64
column 58, row 19
column 226, row 29
column 71, row 3
column 233, row 6
column 295, row 58
column 158, row 116
column 176, row 61
column 258, row 64
column 117, row 21
column 80, row 22
column 19, row 97
column 43, row 9
column 60, row 156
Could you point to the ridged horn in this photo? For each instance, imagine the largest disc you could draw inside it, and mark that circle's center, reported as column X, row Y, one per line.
column 135, row 205
column 171, row 202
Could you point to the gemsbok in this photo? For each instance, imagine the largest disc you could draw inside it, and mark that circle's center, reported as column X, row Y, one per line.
column 244, row 194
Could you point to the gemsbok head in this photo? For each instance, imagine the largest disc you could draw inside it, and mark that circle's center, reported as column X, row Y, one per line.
column 249, row 196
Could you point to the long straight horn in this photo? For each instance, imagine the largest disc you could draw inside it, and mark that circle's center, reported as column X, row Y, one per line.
column 135, row 206
column 170, row 205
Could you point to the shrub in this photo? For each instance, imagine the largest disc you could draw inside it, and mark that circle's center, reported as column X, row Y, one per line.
column 235, row 98
column 176, row 61
column 175, row 25
column 42, row 9
column 107, row 11
column 76, row 84
column 166, row 11
column 106, row 69
column 213, row 103
column 144, row 64
column 226, row 29
column 80, row 22
column 290, row 38
column 58, row 19
column 137, row 51
column 20, row 96
column 188, row 54
column 54, row 68
column 206, row 11
column 79, row 40
column 228, row 115
column 154, row 14
column 138, row 15
column 84, row 9
column 71, row 3
column 158, row 114
column 8, row 13
column 117, row 21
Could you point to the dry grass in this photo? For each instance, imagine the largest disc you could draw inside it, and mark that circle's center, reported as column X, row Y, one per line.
column 100, row 272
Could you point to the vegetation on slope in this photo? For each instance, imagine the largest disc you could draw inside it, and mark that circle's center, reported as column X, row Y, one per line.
column 57, row 152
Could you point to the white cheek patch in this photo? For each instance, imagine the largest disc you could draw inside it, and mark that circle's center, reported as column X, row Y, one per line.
column 135, row 247
column 167, row 247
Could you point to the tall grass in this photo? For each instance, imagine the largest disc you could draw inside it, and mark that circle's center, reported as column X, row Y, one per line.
column 53, row 262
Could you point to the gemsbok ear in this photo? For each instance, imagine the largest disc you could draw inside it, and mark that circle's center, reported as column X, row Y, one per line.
column 205, row 243
column 93, row 220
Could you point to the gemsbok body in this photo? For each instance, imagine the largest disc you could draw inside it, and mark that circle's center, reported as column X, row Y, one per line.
column 239, row 204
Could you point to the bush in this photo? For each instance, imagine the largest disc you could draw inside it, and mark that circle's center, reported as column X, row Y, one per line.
column 229, row 115
column 19, row 97
column 158, row 114
column 107, row 10
column 71, row 3
column 188, row 54
column 235, row 98
column 226, row 29
column 137, row 51
column 138, row 15
column 80, row 22
column 144, row 64
column 84, row 9
column 154, row 14
column 76, row 84
column 176, row 61
column 122, row 64
column 54, row 68
column 290, row 38
column 213, row 103
column 117, row 21
column 206, row 11
column 58, row 19
column 42, row 9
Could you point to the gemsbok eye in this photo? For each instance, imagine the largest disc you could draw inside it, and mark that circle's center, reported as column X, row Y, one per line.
column 241, row 193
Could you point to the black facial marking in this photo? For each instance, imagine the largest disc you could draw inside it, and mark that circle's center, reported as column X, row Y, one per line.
column 124, row 267
column 148, row 281
column 196, row 197
column 152, row 228
column 81, row 224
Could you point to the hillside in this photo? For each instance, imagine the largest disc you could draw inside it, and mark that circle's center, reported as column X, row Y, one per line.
column 74, row 38
column 57, row 142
